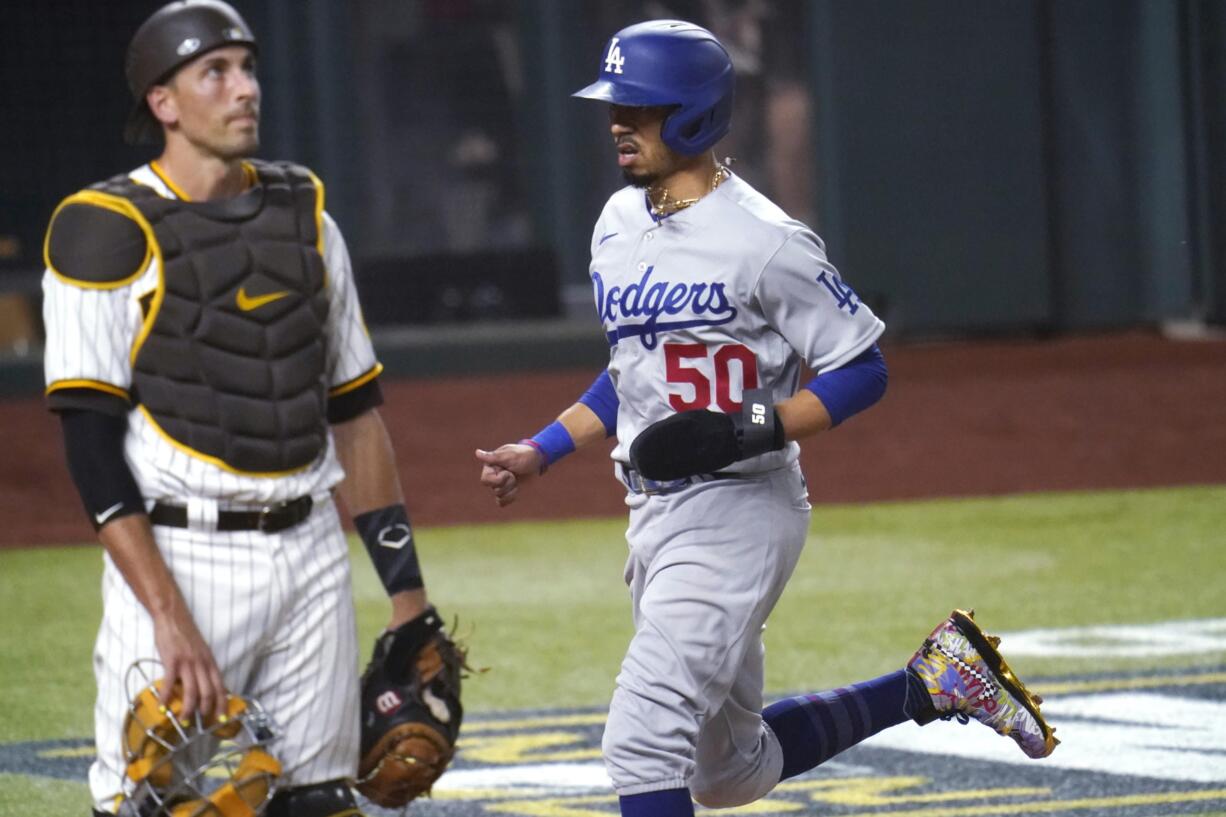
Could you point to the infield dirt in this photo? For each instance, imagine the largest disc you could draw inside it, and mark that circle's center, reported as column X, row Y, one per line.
column 1126, row 410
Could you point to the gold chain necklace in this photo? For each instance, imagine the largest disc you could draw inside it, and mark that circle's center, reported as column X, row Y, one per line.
column 668, row 205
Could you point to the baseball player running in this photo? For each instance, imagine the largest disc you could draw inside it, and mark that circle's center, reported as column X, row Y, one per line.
column 712, row 299
column 207, row 358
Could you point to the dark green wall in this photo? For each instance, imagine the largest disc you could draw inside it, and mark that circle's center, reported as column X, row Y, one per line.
column 981, row 165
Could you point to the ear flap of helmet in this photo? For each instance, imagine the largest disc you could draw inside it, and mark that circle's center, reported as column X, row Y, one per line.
column 692, row 131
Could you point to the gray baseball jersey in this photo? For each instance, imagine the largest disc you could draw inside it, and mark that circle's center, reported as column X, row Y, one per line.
column 726, row 295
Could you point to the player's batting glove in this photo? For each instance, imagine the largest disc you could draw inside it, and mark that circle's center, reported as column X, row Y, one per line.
column 699, row 442
column 410, row 711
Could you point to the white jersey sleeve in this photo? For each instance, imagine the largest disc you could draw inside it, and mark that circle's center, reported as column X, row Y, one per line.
column 806, row 301
column 90, row 333
column 92, row 312
column 351, row 356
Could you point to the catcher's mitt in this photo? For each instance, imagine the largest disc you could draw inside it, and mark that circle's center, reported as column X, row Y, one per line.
column 410, row 711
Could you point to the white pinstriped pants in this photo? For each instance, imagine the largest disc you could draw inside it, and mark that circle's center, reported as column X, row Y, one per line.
column 277, row 611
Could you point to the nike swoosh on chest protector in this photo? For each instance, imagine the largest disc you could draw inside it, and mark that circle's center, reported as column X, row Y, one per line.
column 247, row 303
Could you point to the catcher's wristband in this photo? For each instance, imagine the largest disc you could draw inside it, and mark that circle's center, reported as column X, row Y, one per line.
column 553, row 442
column 388, row 537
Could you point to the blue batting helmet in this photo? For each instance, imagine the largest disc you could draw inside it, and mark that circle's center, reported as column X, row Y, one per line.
column 672, row 63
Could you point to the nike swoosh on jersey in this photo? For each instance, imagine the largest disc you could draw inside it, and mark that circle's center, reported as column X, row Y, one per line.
column 101, row 518
column 605, row 238
column 248, row 303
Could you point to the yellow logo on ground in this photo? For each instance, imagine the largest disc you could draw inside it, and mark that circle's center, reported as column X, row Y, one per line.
column 248, row 303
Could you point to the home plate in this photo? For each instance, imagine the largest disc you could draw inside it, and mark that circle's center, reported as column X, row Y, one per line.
column 556, row 777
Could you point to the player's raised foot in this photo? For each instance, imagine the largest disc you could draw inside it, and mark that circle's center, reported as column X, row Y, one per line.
column 966, row 677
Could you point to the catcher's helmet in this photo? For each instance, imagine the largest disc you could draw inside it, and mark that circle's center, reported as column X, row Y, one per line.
column 172, row 36
column 192, row 768
column 675, row 63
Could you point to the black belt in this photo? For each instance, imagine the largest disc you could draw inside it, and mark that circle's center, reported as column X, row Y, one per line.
column 269, row 519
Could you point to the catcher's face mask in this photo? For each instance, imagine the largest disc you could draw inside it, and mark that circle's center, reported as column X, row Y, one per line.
column 212, row 767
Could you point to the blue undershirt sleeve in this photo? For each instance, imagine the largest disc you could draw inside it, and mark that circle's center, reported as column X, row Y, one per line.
column 601, row 398
column 852, row 387
column 554, row 441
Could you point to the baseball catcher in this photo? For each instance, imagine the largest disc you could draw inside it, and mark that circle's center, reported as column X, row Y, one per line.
column 210, row 279
column 411, row 711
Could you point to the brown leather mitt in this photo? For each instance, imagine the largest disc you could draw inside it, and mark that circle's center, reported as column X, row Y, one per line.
column 411, row 711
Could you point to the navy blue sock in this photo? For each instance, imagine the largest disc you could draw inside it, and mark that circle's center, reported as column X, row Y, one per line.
column 814, row 728
column 667, row 803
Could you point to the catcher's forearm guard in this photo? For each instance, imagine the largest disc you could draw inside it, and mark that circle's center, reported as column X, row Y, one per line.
column 411, row 711
column 388, row 537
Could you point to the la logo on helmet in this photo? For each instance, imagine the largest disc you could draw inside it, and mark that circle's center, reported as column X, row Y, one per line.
column 614, row 61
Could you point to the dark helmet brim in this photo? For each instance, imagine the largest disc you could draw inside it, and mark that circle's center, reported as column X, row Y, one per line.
column 602, row 90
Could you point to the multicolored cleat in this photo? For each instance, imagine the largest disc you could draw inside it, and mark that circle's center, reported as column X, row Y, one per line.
column 966, row 677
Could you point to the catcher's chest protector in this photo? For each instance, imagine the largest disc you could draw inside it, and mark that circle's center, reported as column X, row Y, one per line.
column 231, row 358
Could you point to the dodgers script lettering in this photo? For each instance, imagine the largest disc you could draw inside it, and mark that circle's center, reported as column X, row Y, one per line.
column 696, row 304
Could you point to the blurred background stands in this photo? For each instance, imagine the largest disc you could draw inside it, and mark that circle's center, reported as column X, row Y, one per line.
column 975, row 167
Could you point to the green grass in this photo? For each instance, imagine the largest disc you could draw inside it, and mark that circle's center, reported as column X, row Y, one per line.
column 543, row 605
column 874, row 579
column 23, row 795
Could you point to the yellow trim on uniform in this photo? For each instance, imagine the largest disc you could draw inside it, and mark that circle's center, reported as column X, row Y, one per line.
column 249, row 173
column 362, row 322
column 96, row 385
column 121, row 205
column 161, row 174
column 357, row 382
column 106, row 201
column 319, row 217
column 319, row 229
column 217, row 461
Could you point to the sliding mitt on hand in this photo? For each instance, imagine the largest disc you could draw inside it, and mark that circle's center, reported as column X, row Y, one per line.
column 699, row 442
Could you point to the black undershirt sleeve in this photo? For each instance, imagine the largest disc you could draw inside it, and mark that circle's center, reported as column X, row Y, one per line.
column 87, row 399
column 93, row 442
column 346, row 406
